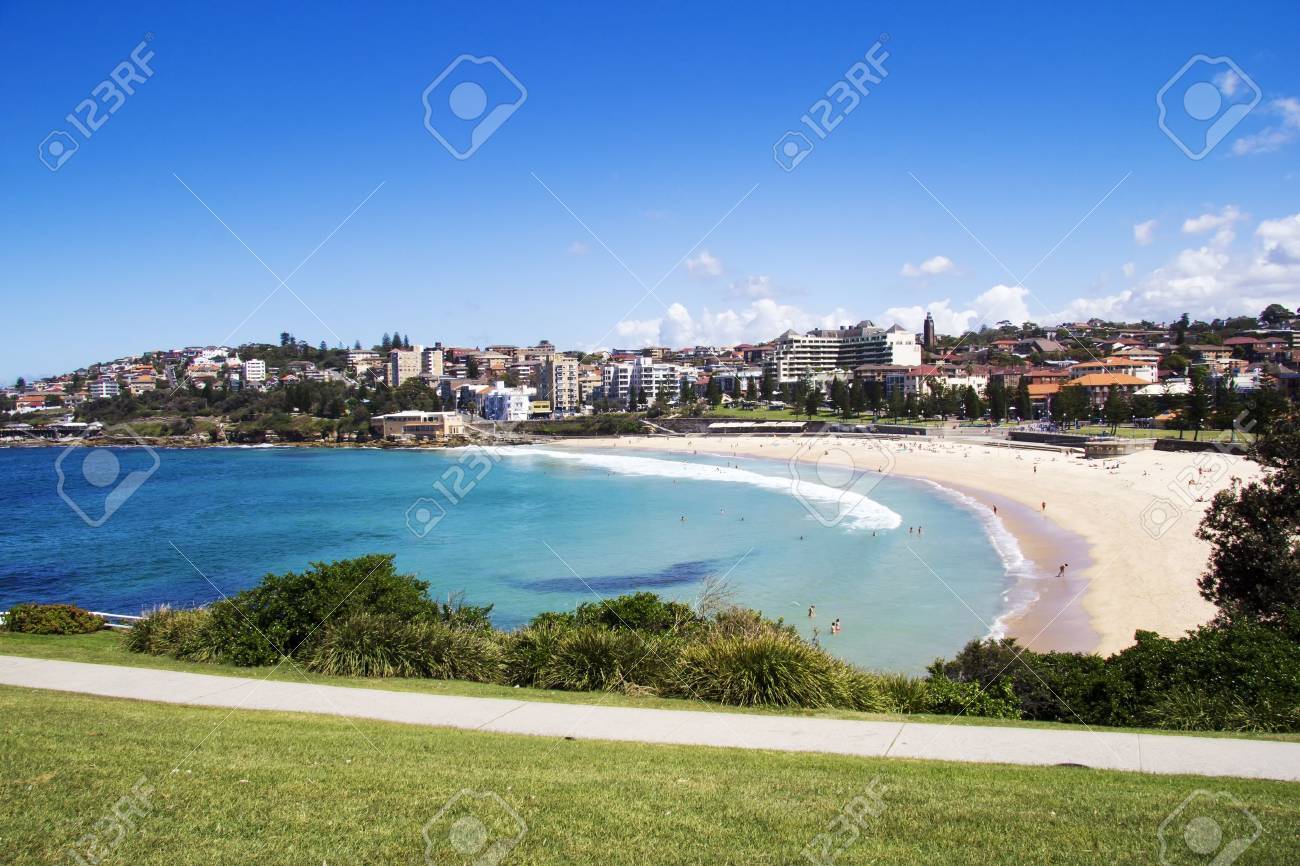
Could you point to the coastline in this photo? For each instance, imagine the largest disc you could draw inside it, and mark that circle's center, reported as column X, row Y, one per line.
column 1128, row 571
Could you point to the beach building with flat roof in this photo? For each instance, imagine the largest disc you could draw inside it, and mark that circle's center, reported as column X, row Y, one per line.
column 795, row 356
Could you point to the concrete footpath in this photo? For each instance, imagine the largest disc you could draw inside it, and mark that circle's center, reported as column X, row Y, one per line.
column 1147, row 753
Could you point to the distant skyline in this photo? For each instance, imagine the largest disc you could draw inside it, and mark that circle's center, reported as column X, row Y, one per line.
column 1008, row 166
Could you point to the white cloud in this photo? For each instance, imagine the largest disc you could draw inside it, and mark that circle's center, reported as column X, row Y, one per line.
column 1210, row 281
column 1220, row 223
column 1129, row 269
column 1144, row 233
column 1228, row 81
column 1207, row 221
column 998, row 303
column 761, row 320
column 704, row 265
column 578, row 248
column 1280, row 240
column 752, row 287
column 931, row 267
column 1273, row 136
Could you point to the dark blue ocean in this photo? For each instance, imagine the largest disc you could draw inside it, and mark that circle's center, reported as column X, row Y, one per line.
column 124, row 529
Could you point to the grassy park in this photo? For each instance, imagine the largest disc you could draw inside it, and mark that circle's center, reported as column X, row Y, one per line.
column 274, row 788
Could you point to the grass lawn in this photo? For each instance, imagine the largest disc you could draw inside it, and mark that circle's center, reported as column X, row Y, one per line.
column 105, row 647
column 1158, row 433
column 270, row 788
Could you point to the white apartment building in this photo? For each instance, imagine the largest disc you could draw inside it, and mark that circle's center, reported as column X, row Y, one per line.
column 254, row 371
column 795, row 356
column 507, row 404
column 403, row 364
column 559, row 385
column 624, row 379
column 103, row 389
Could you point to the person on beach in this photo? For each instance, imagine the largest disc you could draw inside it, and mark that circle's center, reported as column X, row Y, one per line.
column 1044, row 506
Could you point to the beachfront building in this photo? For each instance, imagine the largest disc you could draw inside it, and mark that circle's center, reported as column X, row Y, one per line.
column 644, row 377
column 431, row 363
column 403, row 364
column 104, row 389
column 1140, row 369
column 559, row 384
column 796, row 356
column 1098, row 386
column 507, row 404
column 254, row 371
column 413, row 424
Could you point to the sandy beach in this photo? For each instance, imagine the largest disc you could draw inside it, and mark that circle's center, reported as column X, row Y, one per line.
column 1126, row 526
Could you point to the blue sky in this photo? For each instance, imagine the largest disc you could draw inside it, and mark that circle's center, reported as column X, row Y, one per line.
column 649, row 125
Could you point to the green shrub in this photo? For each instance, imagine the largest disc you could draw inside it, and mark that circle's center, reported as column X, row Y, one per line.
column 858, row 690
column 529, row 651
column 763, row 669
column 591, row 658
column 643, row 611
column 179, row 633
column 256, row 626
column 51, row 619
column 949, row 697
column 903, row 694
column 1241, row 676
column 382, row 645
column 1053, row 686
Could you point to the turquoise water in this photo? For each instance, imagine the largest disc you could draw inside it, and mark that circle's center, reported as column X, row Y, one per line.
column 530, row 530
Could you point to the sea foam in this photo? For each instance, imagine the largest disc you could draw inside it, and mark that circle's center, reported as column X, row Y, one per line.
column 1019, row 595
column 855, row 511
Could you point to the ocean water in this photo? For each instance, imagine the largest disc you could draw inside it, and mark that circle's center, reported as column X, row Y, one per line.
column 526, row 529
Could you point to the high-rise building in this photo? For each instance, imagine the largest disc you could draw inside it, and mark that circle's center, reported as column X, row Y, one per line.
column 403, row 364
column 796, row 355
column 927, row 332
column 559, row 384
column 431, row 363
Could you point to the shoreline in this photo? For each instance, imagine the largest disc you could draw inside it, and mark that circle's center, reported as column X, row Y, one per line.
column 1124, row 575
column 1127, row 572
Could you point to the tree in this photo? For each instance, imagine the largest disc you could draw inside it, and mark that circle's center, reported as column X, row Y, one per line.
column 1143, row 406
column 686, row 391
column 857, row 397
column 896, row 403
column 1117, row 409
column 1254, row 533
column 356, row 344
column 415, row 394
column 971, row 403
column 713, row 392
column 286, row 339
column 768, row 386
column 1071, row 404
column 322, row 347
column 875, row 396
column 840, row 397
column 1275, row 315
column 21, row 384
column 751, row 390
column 1180, row 330
column 1024, row 401
column 1196, row 408
column 471, row 367
column 811, row 402
column 997, row 393
column 386, row 343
